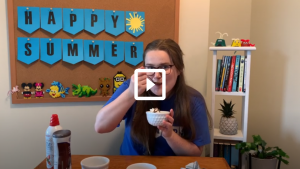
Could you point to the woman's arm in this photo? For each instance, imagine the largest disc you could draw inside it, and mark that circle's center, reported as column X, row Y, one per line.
column 183, row 147
column 112, row 114
column 179, row 145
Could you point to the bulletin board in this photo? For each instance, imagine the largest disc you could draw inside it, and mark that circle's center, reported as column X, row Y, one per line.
column 162, row 21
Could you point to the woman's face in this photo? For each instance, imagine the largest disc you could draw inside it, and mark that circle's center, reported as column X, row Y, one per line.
column 159, row 58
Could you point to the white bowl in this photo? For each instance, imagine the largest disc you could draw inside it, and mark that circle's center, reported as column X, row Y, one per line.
column 141, row 166
column 95, row 162
column 156, row 119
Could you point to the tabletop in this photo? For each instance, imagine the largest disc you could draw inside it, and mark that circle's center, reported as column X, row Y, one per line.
column 168, row 162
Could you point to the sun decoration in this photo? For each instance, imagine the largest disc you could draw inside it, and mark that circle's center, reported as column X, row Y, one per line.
column 136, row 22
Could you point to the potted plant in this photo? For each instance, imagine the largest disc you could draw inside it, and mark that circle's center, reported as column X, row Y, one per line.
column 228, row 123
column 262, row 156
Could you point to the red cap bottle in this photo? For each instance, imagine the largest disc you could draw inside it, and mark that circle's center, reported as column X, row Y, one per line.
column 53, row 127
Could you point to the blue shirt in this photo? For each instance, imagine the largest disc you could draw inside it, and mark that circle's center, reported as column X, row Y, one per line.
column 198, row 112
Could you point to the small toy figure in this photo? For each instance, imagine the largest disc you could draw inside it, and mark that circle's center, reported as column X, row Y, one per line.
column 245, row 42
column 252, row 45
column 57, row 90
column 13, row 90
column 220, row 41
column 119, row 78
column 86, row 91
column 38, row 90
column 27, row 90
column 104, row 84
column 236, row 42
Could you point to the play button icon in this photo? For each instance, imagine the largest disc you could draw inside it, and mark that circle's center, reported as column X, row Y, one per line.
column 149, row 84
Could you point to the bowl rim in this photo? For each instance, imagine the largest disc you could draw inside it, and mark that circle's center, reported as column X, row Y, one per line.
column 99, row 165
column 140, row 163
column 161, row 112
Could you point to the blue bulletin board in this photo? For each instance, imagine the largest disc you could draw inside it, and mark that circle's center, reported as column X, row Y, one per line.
column 75, row 44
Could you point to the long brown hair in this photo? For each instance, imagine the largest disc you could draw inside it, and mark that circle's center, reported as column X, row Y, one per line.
column 141, row 131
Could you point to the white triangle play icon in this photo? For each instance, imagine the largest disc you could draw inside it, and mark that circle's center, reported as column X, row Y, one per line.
column 149, row 84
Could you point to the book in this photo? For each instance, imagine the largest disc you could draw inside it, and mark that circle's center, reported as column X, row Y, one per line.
column 234, row 156
column 236, row 73
column 223, row 73
column 241, row 74
column 216, row 149
column 227, row 154
column 227, row 74
column 232, row 65
column 221, row 150
column 219, row 62
column 245, row 74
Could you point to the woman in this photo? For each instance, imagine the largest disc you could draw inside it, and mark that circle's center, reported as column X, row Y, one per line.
column 184, row 132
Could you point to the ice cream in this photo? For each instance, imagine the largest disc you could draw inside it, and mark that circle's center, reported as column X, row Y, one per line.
column 155, row 110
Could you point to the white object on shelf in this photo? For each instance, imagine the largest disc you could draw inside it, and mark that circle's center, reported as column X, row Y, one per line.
column 218, row 135
column 223, row 48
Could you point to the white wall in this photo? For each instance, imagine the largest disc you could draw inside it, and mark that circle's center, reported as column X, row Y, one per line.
column 23, row 126
column 274, row 111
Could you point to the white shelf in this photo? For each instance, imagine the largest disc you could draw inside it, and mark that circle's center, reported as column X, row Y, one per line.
column 238, row 136
column 229, row 93
column 221, row 48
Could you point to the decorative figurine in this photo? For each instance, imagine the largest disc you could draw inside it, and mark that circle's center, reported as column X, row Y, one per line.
column 104, row 85
column 220, row 41
column 236, row 42
column 245, row 42
column 86, row 91
column 26, row 90
column 38, row 90
column 57, row 90
column 13, row 90
column 119, row 78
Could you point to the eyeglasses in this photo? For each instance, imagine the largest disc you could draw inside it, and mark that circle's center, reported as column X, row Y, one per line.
column 167, row 68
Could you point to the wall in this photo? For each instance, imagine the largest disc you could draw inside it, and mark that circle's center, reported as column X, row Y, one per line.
column 23, row 127
column 274, row 92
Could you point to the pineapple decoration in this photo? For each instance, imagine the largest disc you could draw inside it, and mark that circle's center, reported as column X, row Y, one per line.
column 228, row 123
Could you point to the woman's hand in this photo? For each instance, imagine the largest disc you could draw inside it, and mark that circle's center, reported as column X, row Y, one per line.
column 167, row 126
column 141, row 81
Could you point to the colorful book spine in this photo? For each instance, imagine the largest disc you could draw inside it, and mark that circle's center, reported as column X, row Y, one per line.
column 223, row 74
column 232, row 65
column 236, row 73
column 241, row 76
column 234, row 156
column 227, row 73
column 227, row 154
column 221, row 71
column 245, row 74
column 219, row 62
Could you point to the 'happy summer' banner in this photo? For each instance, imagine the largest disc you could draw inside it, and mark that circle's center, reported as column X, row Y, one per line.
column 73, row 21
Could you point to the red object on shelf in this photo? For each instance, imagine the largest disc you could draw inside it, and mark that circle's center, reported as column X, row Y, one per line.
column 245, row 42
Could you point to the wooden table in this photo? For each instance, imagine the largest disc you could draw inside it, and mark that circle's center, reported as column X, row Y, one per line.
column 161, row 162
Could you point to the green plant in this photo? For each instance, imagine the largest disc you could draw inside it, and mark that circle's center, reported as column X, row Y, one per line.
column 258, row 149
column 227, row 109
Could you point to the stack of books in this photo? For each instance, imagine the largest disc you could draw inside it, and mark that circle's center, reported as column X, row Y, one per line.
column 231, row 73
column 227, row 150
